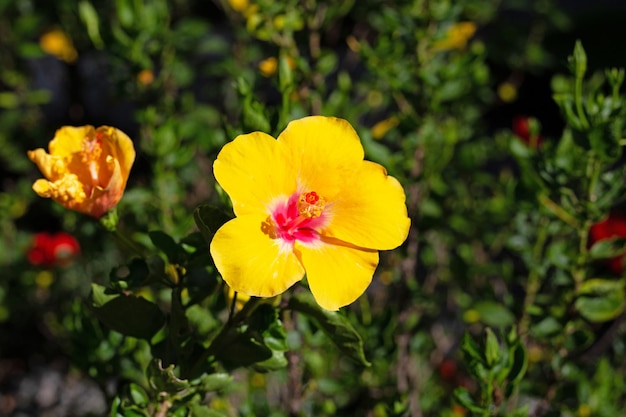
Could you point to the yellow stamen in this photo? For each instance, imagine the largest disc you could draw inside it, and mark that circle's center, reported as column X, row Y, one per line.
column 90, row 156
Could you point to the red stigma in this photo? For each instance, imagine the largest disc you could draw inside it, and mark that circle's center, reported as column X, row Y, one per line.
column 311, row 197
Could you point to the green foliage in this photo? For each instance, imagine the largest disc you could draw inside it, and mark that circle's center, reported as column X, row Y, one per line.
column 507, row 298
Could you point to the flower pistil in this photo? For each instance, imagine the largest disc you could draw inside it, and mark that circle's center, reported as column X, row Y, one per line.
column 299, row 218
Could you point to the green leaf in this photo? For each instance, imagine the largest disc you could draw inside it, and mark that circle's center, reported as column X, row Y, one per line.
column 242, row 348
column 100, row 295
column 600, row 309
column 125, row 13
column 470, row 349
column 115, row 404
column 209, row 219
column 336, row 326
column 546, row 327
column 579, row 60
column 254, row 116
column 285, row 74
column 600, row 286
column 133, row 275
column 277, row 361
column 127, row 314
column 608, row 248
column 216, row 382
column 174, row 252
column 519, row 363
column 138, row 395
column 601, row 299
column 164, row 379
column 604, row 143
column 260, row 343
column 492, row 347
column 195, row 240
column 464, row 398
column 89, row 16
column 494, row 314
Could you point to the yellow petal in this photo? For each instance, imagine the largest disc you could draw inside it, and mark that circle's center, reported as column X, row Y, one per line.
column 324, row 152
column 69, row 140
column 253, row 170
column 52, row 167
column 43, row 188
column 250, row 262
column 337, row 274
column 370, row 212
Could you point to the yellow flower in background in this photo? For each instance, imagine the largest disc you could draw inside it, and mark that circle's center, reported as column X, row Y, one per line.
column 306, row 202
column 268, row 66
column 145, row 77
column 381, row 128
column 86, row 169
column 239, row 5
column 507, row 92
column 57, row 43
column 456, row 37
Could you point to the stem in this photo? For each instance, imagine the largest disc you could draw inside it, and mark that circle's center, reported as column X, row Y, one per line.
column 176, row 323
column 557, row 210
column 221, row 341
column 534, row 279
column 579, row 273
column 233, row 304
column 489, row 398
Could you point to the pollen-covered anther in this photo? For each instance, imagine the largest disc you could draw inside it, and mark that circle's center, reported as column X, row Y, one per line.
column 310, row 204
column 92, row 148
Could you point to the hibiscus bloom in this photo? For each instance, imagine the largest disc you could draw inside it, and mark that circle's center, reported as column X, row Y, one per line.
column 306, row 202
column 86, row 169
column 50, row 250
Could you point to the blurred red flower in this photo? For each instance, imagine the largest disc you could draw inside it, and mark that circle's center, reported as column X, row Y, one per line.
column 525, row 132
column 448, row 370
column 50, row 250
column 611, row 227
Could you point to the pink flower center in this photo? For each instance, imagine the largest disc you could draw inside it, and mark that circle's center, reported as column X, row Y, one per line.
column 299, row 218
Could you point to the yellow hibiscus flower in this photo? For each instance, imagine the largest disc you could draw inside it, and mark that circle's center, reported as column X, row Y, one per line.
column 86, row 169
column 306, row 202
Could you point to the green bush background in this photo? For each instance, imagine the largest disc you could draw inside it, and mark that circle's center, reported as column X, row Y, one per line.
column 498, row 288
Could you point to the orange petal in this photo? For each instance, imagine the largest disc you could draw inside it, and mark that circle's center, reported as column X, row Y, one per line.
column 337, row 274
column 370, row 212
column 118, row 145
column 86, row 169
column 250, row 261
column 253, row 170
column 324, row 153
